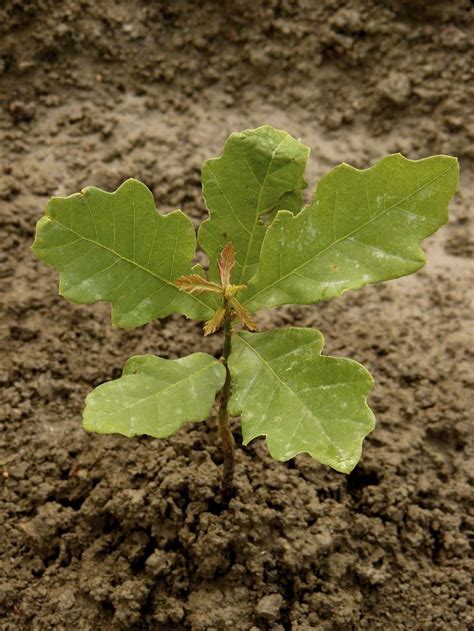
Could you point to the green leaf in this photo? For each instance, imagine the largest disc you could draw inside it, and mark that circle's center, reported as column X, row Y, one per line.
column 155, row 396
column 116, row 247
column 259, row 169
column 362, row 227
column 301, row 401
column 292, row 202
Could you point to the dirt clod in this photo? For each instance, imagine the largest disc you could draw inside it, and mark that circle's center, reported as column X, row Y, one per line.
column 269, row 606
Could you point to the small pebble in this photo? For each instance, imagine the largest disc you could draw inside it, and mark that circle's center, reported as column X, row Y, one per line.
column 21, row 111
column 269, row 607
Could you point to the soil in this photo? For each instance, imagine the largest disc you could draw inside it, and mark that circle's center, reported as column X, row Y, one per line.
column 102, row 532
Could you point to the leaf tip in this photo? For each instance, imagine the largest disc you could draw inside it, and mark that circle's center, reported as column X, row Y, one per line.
column 215, row 323
column 243, row 314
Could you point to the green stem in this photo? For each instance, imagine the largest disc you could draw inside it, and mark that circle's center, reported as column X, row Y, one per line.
column 228, row 442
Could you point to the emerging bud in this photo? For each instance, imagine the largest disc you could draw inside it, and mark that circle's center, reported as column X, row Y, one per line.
column 226, row 264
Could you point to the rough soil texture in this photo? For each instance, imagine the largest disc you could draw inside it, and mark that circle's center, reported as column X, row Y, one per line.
column 108, row 533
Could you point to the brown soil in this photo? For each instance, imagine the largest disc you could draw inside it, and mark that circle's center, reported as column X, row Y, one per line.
column 108, row 533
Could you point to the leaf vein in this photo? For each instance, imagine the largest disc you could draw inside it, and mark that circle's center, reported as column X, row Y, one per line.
column 334, row 243
column 132, row 262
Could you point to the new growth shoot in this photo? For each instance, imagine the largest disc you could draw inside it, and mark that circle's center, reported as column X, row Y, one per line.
column 228, row 310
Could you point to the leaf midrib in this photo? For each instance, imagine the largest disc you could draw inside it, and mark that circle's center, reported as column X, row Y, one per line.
column 347, row 236
column 257, row 213
column 167, row 388
column 124, row 258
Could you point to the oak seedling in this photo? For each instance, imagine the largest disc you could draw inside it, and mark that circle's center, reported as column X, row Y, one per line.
column 265, row 248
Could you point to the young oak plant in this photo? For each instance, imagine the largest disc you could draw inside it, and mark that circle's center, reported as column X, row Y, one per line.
column 265, row 249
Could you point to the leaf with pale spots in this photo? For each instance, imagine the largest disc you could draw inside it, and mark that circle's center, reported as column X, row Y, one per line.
column 155, row 396
column 302, row 401
column 362, row 227
column 116, row 247
column 259, row 170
